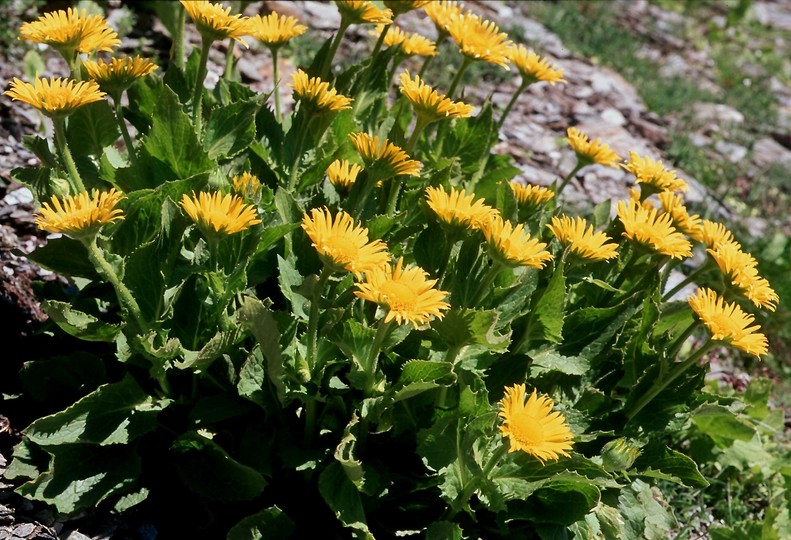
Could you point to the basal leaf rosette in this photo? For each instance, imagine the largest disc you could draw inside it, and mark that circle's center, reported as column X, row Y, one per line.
column 215, row 22
column 71, row 31
column 56, row 98
column 581, row 240
column 274, row 30
column 532, row 427
column 80, row 216
column 648, row 227
column 457, row 210
column 512, row 246
column 728, row 323
column 218, row 215
column 406, row 293
column 589, row 152
column 342, row 244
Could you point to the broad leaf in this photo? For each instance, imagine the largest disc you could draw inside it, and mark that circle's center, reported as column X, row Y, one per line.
column 91, row 128
column 230, row 129
column 79, row 324
column 269, row 524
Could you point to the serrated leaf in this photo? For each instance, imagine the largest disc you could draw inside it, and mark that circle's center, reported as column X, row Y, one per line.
column 79, row 324
column 342, row 497
column 91, row 128
column 462, row 327
column 722, row 425
column 269, row 524
column 546, row 321
column 262, row 324
column 40, row 147
column 64, row 256
column 424, row 370
column 659, row 461
column 548, row 360
column 230, row 129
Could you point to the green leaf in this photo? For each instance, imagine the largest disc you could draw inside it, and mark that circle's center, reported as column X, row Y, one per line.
column 81, row 476
column 251, row 378
column 91, row 128
column 202, row 360
column 66, row 257
column 355, row 341
column 210, row 472
column 443, row 530
column 342, row 497
column 63, row 376
column 437, row 444
column 172, row 141
column 462, row 327
column 40, row 147
column 262, row 324
column 722, row 425
column 417, row 376
column 230, row 129
column 269, row 524
column 33, row 65
column 757, row 396
column 290, row 280
column 546, row 320
column 114, row 413
column 548, row 360
column 561, row 500
column 130, row 500
column 646, row 515
column 79, row 324
column 659, row 461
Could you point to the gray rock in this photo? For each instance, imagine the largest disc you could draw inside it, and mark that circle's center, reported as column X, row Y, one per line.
column 613, row 116
column 768, row 152
column 24, row 530
column 717, row 113
column 77, row 535
column 730, row 151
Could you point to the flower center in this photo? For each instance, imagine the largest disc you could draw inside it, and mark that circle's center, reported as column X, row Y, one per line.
column 526, row 429
column 398, row 296
column 341, row 248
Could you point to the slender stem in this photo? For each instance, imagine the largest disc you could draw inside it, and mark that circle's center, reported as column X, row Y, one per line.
column 177, row 49
column 372, row 361
column 392, row 196
column 519, row 91
column 228, row 72
column 686, row 281
column 124, row 295
column 292, row 177
column 381, row 40
column 423, row 69
column 325, row 69
column 276, row 84
column 676, row 346
column 197, row 96
column 677, row 371
column 119, row 116
column 60, row 139
column 420, row 124
column 568, row 178
column 487, row 281
column 313, row 319
column 464, row 65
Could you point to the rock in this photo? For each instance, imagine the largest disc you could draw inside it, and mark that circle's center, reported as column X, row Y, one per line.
column 76, row 535
column 613, row 116
column 717, row 113
column 541, row 38
column 772, row 14
column 768, row 152
column 617, row 137
column 730, row 151
column 674, row 65
column 24, row 530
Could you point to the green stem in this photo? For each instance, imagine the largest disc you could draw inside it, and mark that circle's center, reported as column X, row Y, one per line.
column 487, row 281
column 228, row 72
column 60, row 138
column 457, row 79
column 677, row 371
column 197, row 95
column 420, row 124
column 568, row 178
column 372, row 361
column 423, row 69
column 292, row 177
column 325, row 69
column 673, row 349
column 519, row 91
column 392, row 196
column 380, row 41
column 276, row 84
column 177, row 49
column 686, row 281
column 313, row 319
column 124, row 295
column 119, row 116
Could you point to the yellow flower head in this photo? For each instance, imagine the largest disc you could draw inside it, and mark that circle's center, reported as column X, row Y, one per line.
column 527, row 194
column 120, row 73
column 363, row 11
column 402, row 6
column 534, row 68
column 342, row 244
column 673, row 204
column 532, row 427
column 652, row 173
column 215, row 22
column 430, row 105
column 727, row 322
column 714, row 233
column 742, row 270
column 56, row 97
column 588, row 151
column 317, row 94
column 407, row 294
column 71, row 31
column 274, row 30
column 513, row 246
column 441, row 12
column 457, row 209
column 583, row 242
column 80, row 215
column 411, row 44
column 479, row 39
column 382, row 158
column 247, row 185
column 219, row 215
column 648, row 227
column 343, row 174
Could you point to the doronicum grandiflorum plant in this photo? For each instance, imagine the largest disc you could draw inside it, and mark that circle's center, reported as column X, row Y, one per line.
column 329, row 316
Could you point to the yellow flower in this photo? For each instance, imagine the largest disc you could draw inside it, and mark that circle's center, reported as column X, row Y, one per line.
column 120, row 73
column 532, row 426
column 513, row 246
column 479, row 39
column 80, row 215
column 71, row 31
column 274, row 30
column 742, row 270
column 219, row 215
column 363, row 11
column 588, row 151
column 584, row 243
column 727, row 322
column 650, row 228
column 407, row 294
column 430, row 105
column 714, row 233
column 442, row 12
column 457, row 209
column 673, row 204
column 382, row 158
column 411, row 44
column 527, row 194
column 317, row 94
column 215, row 22
column 534, row 68
column 56, row 97
column 402, row 6
column 343, row 174
column 342, row 244
column 653, row 173
column 246, row 184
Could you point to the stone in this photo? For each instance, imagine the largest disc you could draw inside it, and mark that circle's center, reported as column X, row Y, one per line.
column 613, row 116
column 77, row 535
column 24, row 530
column 717, row 113
column 731, row 151
column 768, row 152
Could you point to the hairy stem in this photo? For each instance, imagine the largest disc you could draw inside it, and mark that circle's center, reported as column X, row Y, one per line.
column 197, row 95
column 130, row 147
column 60, row 138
